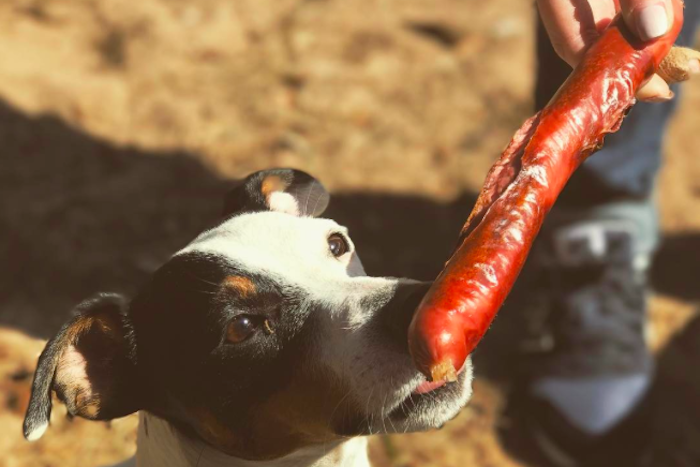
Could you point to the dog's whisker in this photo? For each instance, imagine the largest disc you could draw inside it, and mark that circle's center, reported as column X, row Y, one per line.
column 382, row 412
column 369, row 415
column 393, row 427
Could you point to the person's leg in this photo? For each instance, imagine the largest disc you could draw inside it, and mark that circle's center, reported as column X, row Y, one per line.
column 588, row 368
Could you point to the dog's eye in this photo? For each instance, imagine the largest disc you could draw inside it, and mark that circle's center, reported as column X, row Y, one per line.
column 241, row 328
column 338, row 245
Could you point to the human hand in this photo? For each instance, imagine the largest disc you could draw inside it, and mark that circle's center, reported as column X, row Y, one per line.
column 573, row 25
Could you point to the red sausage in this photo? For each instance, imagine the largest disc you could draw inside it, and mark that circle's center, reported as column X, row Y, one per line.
column 519, row 191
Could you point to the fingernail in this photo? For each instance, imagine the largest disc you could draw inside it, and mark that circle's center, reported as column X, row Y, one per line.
column 694, row 66
column 652, row 22
column 660, row 99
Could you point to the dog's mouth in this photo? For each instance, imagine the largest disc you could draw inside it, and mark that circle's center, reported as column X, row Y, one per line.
column 429, row 386
column 429, row 395
column 428, row 405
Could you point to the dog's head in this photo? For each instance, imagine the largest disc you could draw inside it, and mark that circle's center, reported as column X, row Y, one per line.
column 262, row 336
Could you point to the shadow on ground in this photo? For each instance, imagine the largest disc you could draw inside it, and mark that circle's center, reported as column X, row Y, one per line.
column 79, row 215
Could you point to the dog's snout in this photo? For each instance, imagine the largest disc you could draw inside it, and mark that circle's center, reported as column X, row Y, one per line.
column 397, row 314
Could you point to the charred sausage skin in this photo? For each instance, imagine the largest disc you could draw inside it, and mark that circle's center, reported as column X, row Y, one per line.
column 521, row 188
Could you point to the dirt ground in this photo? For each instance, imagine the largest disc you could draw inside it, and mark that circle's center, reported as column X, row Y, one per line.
column 121, row 123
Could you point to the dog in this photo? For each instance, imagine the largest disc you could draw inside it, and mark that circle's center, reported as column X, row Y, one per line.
column 262, row 342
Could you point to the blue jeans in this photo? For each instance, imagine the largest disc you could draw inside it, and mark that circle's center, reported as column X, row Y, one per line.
column 626, row 169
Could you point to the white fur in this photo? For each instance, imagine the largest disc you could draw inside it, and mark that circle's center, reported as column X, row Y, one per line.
column 37, row 432
column 293, row 250
column 283, row 202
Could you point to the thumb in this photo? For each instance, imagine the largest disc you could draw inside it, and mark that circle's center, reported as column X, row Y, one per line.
column 648, row 19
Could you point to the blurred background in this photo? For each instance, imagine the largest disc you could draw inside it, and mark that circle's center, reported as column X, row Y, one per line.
column 122, row 123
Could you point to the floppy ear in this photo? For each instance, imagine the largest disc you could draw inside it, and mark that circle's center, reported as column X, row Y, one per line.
column 282, row 190
column 90, row 364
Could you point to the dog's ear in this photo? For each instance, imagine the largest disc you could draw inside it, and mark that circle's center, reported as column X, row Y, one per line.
column 90, row 364
column 282, row 190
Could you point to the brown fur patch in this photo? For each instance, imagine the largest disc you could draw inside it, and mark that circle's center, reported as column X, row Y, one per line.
column 72, row 379
column 242, row 285
column 80, row 327
column 208, row 426
column 211, row 428
column 271, row 184
column 302, row 414
column 268, row 328
column 296, row 417
column 85, row 323
column 73, row 382
column 87, row 405
column 279, row 439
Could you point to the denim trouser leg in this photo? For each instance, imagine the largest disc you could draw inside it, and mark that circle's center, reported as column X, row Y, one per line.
column 626, row 168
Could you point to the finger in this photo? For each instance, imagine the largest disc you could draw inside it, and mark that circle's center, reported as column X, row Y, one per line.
column 648, row 19
column 655, row 90
column 573, row 25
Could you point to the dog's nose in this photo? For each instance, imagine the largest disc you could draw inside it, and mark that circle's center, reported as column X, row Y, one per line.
column 397, row 314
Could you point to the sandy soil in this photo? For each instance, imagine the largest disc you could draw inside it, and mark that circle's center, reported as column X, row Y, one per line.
column 121, row 122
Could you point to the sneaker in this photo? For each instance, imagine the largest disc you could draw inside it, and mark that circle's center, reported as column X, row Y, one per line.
column 582, row 396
